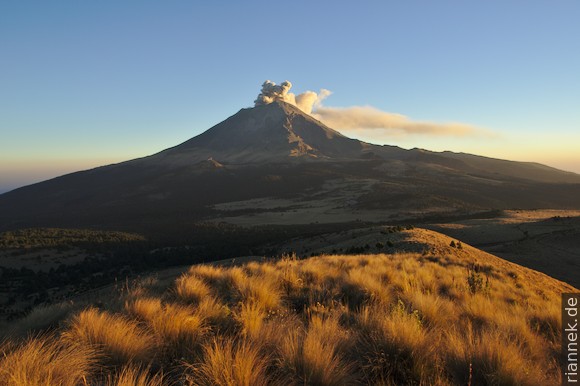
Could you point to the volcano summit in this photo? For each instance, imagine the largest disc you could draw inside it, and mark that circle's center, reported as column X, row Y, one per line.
column 279, row 165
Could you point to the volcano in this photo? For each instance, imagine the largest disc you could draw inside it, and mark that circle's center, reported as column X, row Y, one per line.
column 277, row 132
column 276, row 159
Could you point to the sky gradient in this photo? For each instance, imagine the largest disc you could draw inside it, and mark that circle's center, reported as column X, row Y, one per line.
column 84, row 84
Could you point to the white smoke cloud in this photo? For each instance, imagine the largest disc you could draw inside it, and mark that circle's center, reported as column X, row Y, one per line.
column 309, row 100
column 366, row 117
column 357, row 118
column 272, row 92
column 306, row 101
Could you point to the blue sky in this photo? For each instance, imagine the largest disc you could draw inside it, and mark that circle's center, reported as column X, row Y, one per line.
column 89, row 83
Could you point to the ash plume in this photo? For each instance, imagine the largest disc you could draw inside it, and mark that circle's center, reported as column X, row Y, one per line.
column 355, row 118
column 272, row 92
column 306, row 101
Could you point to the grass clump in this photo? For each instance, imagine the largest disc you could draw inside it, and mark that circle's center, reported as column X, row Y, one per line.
column 192, row 289
column 135, row 376
column 45, row 360
column 179, row 329
column 230, row 363
column 119, row 338
column 315, row 355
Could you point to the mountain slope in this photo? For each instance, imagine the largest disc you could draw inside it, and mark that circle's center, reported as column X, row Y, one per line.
column 278, row 151
column 272, row 132
column 522, row 170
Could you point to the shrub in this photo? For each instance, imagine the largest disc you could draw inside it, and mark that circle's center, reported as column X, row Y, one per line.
column 476, row 283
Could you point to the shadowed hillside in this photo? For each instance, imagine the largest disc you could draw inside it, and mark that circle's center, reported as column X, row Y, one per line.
column 444, row 314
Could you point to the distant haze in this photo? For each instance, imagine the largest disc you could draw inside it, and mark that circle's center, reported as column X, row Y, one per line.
column 17, row 174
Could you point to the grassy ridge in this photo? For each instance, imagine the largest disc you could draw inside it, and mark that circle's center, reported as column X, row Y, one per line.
column 445, row 316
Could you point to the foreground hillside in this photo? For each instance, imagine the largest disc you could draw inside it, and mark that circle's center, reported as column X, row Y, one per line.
column 445, row 315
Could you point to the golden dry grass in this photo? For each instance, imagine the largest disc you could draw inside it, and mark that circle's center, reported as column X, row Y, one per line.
column 134, row 376
column 314, row 356
column 230, row 363
column 191, row 288
column 119, row 338
column 45, row 361
column 178, row 329
column 407, row 318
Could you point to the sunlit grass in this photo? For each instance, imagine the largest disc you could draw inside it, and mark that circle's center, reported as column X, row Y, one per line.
column 134, row 376
column 437, row 318
column 179, row 329
column 230, row 363
column 191, row 288
column 44, row 361
column 119, row 338
column 315, row 355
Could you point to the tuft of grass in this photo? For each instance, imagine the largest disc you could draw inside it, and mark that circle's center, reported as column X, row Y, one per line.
column 229, row 363
column 118, row 337
column 262, row 290
column 45, row 360
column 394, row 344
column 192, row 289
column 494, row 359
column 220, row 280
column 217, row 315
column 144, row 308
column 313, row 356
column 251, row 317
column 179, row 329
column 135, row 376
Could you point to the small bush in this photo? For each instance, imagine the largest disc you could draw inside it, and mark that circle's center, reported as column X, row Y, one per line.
column 476, row 282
